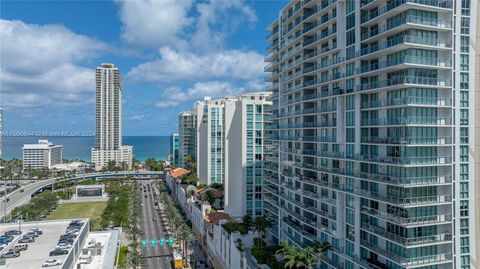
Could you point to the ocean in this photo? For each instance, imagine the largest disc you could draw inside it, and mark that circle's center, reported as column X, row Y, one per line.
column 79, row 147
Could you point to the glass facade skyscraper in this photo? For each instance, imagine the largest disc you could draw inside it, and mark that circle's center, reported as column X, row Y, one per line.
column 373, row 105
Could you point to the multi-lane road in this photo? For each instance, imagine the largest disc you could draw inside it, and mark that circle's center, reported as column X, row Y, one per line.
column 154, row 228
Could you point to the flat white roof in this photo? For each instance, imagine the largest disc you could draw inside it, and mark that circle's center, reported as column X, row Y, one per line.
column 42, row 144
column 106, row 260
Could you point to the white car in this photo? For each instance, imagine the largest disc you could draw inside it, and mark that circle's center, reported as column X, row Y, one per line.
column 52, row 262
column 64, row 246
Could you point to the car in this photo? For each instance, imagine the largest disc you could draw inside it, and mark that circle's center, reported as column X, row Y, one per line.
column 13, row 232
column 10, row 254
column 26, row 240
column 37, row 230
column 64, row 246
column 68, row 235
column 154, row 219
column 68, row 241
column 31, row 234
column 146, row 196
column 58, row 251
column 20, row 247
column 52, row 262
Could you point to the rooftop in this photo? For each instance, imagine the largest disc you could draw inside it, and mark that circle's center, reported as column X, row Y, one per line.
column 178, row 172
column 107, row 241
column 42, row 144
column 38, row 251
column 216, row 217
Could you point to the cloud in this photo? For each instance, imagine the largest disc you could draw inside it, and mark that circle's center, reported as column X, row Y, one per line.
column 174, row 65
column 185, row 24
column 137, row 117
column 174, row 96
column 39, row 65
column 154, row 23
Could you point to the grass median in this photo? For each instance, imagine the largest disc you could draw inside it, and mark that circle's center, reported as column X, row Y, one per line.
column 91, row 210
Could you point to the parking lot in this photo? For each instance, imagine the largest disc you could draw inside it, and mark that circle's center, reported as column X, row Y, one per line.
column 37, row 251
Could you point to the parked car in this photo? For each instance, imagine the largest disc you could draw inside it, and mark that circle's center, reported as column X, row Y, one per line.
column 52, row 262
column 13, row 232
column 10, row 254
column 27, row 240
column 64, row 246
column 69, row 235
column 37, row 230
column 31, row 233
column 66, row 241
column 58, row 251
column 20, row 247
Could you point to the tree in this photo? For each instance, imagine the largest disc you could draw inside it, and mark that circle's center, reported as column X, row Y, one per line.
column 321, row 248
column 247, row 220
column 208, row 197
column 186, row 236
column 261, row 225
column 298, row 258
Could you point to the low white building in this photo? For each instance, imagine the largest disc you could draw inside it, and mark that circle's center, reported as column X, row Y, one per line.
column 90, row 191
column 122, row 155
column 44, row 154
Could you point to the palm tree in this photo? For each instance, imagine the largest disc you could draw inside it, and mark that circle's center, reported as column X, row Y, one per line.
column 321, row 248
column 298, row 258
column 261, row 225
column 186, row 236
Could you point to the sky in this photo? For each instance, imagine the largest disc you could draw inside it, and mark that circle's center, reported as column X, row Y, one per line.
column 169, row 52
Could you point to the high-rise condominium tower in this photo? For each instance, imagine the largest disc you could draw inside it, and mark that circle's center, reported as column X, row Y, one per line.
column 209, row 131
column 187, row 138
column 374, row 132
column 174, row 148
column 108, row 136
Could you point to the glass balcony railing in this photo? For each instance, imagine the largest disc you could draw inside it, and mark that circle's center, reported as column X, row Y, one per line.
column 406, row 39
column 401, row 180
column 408, row 241
column 434, row 140
column 427, row 81
column 408, row 221
column 417, row 261
column 395, row 4
column 408, row 100
column 407, row 19
column 407, row 59
column 441, row 121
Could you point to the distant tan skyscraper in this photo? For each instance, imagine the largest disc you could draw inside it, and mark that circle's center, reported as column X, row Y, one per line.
column 108, row 140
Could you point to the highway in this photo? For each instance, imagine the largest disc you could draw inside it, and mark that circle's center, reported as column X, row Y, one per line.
column 19, row 197
column 156, row 256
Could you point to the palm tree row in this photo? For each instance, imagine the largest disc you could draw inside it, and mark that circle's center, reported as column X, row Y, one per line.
column 135, row 258
column 176, row 222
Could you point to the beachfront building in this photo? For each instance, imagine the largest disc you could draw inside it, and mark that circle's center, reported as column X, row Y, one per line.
column 245, row 119
column 42, row 155
column 373, row 105
column 174, row 148
column 187, row 137
column 108, row 135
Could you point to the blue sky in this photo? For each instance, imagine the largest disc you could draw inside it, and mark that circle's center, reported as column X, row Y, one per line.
column 170, row 53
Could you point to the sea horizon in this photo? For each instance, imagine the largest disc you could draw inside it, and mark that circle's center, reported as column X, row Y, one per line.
column 79, row 147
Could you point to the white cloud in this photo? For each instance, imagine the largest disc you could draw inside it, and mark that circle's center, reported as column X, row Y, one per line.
column 138, row 117
column 174, row 96
column 174, row 65
column 39, row 65
column 154, row 23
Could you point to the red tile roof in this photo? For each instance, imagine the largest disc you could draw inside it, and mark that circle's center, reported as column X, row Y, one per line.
column 178, row 172
column 216, row 217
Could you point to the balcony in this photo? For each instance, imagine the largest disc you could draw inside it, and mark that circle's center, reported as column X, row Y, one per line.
column 407, row 140
column 408, row 100
column 405, row 40
column 409, row 221
column 405, row 180
column 395, row 4
column 408, row 262
column 308, row 139
column 400, row 80
column 410, row 19
column 322, row 35
column 431, row 121
column 407, row 60
column 406, row 241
